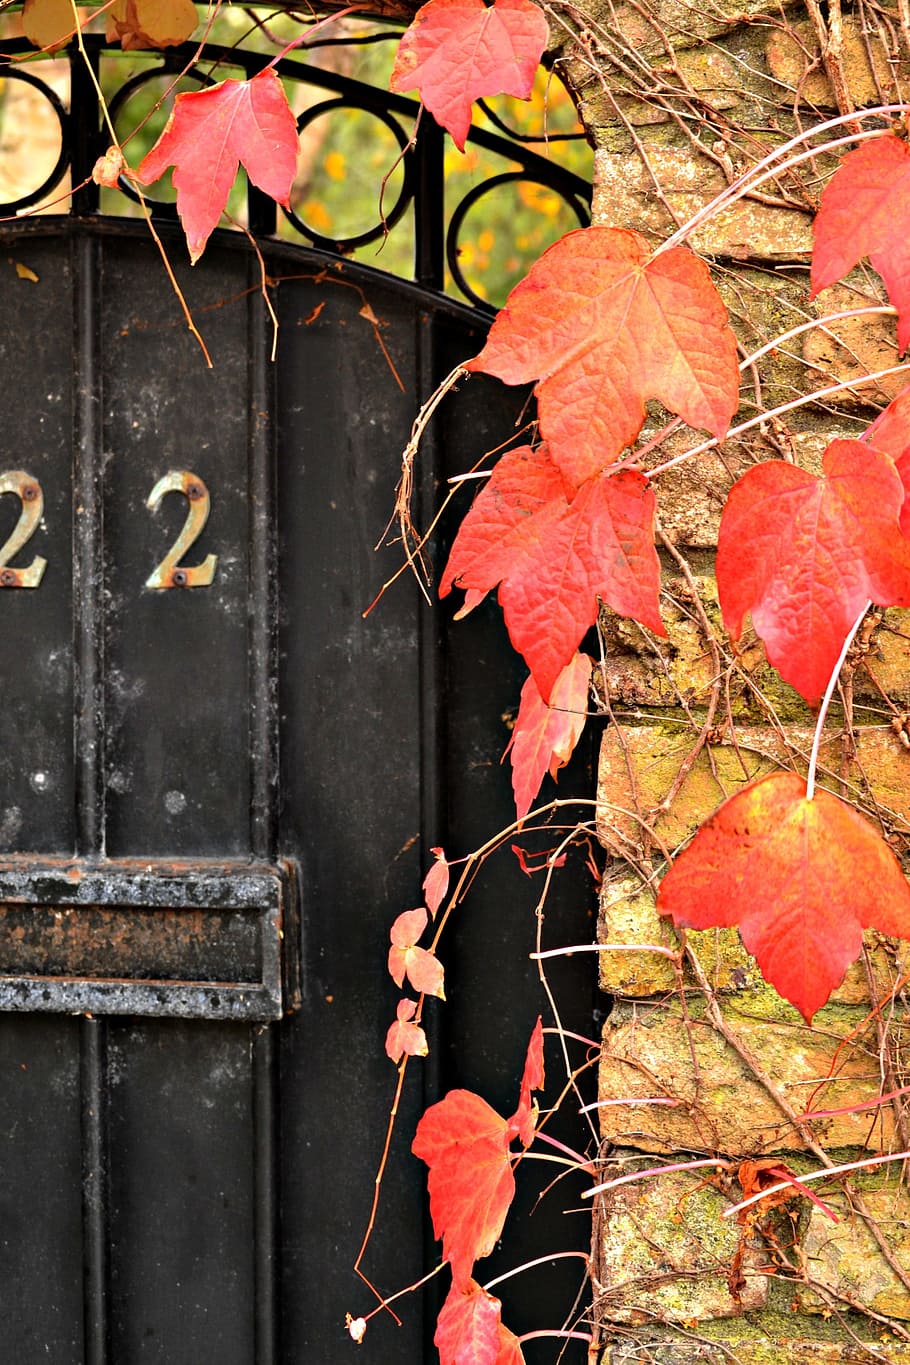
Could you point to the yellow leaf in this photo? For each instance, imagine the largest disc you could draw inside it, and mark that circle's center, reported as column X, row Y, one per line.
column 150, row 23
column 49, row 23
column 25, row 272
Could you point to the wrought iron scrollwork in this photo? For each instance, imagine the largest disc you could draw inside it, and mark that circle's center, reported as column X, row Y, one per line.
column 437, row 225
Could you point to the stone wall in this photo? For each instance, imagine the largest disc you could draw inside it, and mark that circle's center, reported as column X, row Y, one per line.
column 701, row 1059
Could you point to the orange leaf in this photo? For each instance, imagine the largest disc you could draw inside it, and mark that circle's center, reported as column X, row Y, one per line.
column 554, row 557
column 803, row 554
column 405, row 1037
column 465, row 1143
column 422, row 968
column 603, row 325
column 545, row 735
column 800, row 879
column 863, row 212
column 524, row 1121
column 208, row 133
column 436, row 882
column 457, row 51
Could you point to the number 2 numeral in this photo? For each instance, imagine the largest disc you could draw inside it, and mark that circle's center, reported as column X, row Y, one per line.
column 169, row 573
column 28, row 491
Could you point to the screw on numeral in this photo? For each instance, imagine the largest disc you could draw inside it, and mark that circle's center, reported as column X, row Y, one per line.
column 8, row 578
column 29, row 492
column 178, row 578
column 194, row 492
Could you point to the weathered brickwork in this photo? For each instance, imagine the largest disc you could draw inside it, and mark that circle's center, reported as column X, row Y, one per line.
column 701, row 1060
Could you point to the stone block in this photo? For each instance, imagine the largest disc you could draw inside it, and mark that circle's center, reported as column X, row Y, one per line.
column 750, row 1343
column 746, row 231
column 848, row 350
column 794, row 59
column 655, row 1051
column 662, row 1250
column 844, row 1259
column 639, row 767
column 628, row 916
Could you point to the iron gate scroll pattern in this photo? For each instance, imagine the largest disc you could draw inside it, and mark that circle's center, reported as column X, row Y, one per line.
column 437, row 224
column 182, row 1180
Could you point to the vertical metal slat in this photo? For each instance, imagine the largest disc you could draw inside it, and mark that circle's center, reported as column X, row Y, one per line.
column 94, row 1191
column 263, row 804
column 88, row 739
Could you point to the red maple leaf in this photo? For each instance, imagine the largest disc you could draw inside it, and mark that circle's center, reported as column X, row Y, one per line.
column 457, row 51
column 436, row 882
column 469, row 1330
column 465, row 1143
column 422, row 968
column 524, row 1121
column 800, row 879
column 554, row 557
column 863, row 212
column 208, row 133
column 405, row 1037
column 545, row 734
column 803, row 554
column 603, row 325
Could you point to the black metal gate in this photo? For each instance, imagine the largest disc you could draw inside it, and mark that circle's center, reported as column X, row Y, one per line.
column 218, row 785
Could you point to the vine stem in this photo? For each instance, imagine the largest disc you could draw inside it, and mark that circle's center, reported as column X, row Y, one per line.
column 816, row 1175
column 631, row 461
column 826, row 702
column 766, row 168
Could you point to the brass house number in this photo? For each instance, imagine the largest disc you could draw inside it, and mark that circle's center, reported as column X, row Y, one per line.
column 170, row 573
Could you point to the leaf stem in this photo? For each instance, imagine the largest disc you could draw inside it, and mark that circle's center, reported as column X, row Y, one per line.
column 603, row 948
column 826, row 702
column 657, row 1170
column 529, row 1265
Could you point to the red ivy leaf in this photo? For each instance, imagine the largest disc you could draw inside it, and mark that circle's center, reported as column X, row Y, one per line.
column 524, row 861
column 555, row 557
column 545, row 735
column 510, row 1352
column 800, row 879
column 457, row 51
column 405, row 1037
column 422, row 968
column 603, row 326
column 208, row 133
column 890, row 432
column 524, row 1121
column 863, row 213
column 465, row 1143
column 469, row 1330
column 803, row 554
column 436, row 882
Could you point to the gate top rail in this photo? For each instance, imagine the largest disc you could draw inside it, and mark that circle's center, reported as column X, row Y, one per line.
column 438, row 217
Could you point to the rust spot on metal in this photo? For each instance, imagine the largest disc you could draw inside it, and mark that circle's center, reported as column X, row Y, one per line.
column 29, row 492
column 8, row 578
